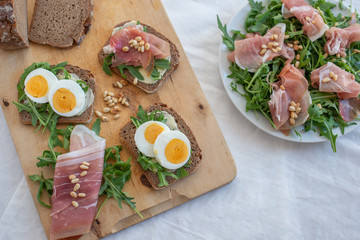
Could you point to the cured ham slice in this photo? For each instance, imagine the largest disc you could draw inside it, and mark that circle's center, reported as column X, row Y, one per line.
column 313, row 24
column 67, row 219
column 339, row 39
column 249, row 53
column 345, row 85
column 159, row 48
column 349, row 109
column 291, row 90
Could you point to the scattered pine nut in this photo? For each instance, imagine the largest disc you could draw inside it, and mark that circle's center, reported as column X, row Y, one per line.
column 296, row 47
column 75, row 204
column 82, row 195
column 73, row 194
column 107, row 98
column 282, row 87
column 292, row 121
column 124, row 82
column 290, row 45
column 125, row 49
column 286, row 37
column 104, row 119
column 278, row 49
column 135, row 81
column 76, row 187
column 111, row 94
column 343, row 54
column 343, row 60
column 270, row 45
column 111, row 104
column 126, row 104
column 114, row 100
column 313, row 22
column 298, row 110
column 106, row 110
column 298, row 57
column 296, row 42
column 293, row 115
column 97, row 113
column 117, row 116
column 105, row 93
column 138, row 38
column 300, row 47
column 120, row 99
column 265, row 46
column 83, row 173
column 297, row 64
column 85, row 163
column 336, row 24
column 326, row 55
column 331, row 74
column 319, row 105
column 71, row 177
column 335, row 77
column 263, row 51
column 338, row 55
column 275, row 44
column 293, row 104
column 307, row 18
column 325, row 80
column 123, row 100
column 147, row 46
column 119, row 84
column 84, row 167
column 356, row 51
column 292, row 109
column 274, row 50
column 75, row 180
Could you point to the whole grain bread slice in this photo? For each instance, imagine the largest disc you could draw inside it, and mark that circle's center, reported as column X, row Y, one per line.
column 127, row 134
column 86, row 116
column 60, row 23
column 149, row 88
column 13, row 24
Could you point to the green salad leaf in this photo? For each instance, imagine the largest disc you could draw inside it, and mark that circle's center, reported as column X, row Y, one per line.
column 45, row 184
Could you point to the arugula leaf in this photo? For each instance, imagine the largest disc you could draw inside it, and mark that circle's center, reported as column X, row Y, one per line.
column 107, row 62
column 97, row 126
column 227, row 39
column 162, row 63
column 46, row 184
column 134, row 71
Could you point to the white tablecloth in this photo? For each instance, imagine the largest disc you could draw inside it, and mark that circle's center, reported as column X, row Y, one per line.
column 283, row 190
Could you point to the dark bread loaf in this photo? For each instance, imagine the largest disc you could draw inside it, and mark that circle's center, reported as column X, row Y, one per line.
column 127, row 133
column 149, row 88
column 60, row 23
column 13, row 24
column 86, row 116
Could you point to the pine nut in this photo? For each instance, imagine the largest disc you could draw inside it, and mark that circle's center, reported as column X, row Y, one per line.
column 114, row 100
column 356, row 51
column 117, row 116
column 104, row 119
column 292, row 121
column 84, row 167
column 131, row 41
column 343, row 60
column 278, row 49
column 75, row 180
column 272, row 37
column 119, row 84
column 142, row 42
column 264, row 46
column 296, row 42
column 106, row 110
column 76, row 187
column 298, row 110
column 338, row 55
column 313, row 22
column 282, row 87
column 138, row 38
column 71, row 177
column 296, row 47
column 123, row 100
column 263, row 51
column 107, row 98
column 85, row 163
column 274, row 50
column 270, row 45
column 336, row 24
column 83, row 173
column 297, row 64
column 307, row 18
column 120, row 99
column 147, row 46
column 335, row 77
column 111, row 94
column 111, row 104
column 293, row 104
column 275, row 36
column 286, row 37
column 325, row 80
column 105, row 93
column 331, row 74
column 73, row 194
column 297, row 105
column 343, row 54
column 124, row 82
column 125, row 49
column 298, row 57
column 290, row 45
column 97, row 113
column 117, row 108
column 326, row 55
column 292, row 109
column 275, row 44
column 142, row 49
column 293, row 115
column 75, row 204
column 319, row 105
column 82, row 195
column 113, row 111
column 126, row 104
column 300, row 47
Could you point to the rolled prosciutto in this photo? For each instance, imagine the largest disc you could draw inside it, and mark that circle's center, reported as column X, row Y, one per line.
column 77, row 182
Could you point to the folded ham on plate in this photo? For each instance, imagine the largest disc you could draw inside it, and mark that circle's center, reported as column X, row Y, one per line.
column 349, row 109
column 72, row 215
column 314, row 26
column 290, row 99
column 250, row 53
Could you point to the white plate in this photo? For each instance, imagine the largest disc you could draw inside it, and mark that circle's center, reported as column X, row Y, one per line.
column 237, row 23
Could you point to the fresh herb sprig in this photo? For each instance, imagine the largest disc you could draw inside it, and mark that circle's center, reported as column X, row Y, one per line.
column 45, row 184
column 150, row 164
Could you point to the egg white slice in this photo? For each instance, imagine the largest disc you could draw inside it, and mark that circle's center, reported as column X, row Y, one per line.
column 50, row 80
column 77, row 93
column 146, row 135
column 172, row 149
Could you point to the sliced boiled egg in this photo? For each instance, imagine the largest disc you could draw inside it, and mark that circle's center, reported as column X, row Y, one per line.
column 146, row 135
column 172, row 149
column 67, row 98
column 38, row 83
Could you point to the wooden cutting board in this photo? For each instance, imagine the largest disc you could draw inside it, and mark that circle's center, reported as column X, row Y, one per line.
column 181, row 91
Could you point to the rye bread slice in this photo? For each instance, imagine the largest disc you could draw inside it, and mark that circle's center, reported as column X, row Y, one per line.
column 127, row 134
column 13, row 24
column 149, row 88
column 60, row 23
column 86, row 116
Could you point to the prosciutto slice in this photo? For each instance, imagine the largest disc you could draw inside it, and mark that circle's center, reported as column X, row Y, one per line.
column 313, row 24
column 159, row 48
column 339, row 39
column 349, row 109
column 291, row 87
column 247, row 51
column 67, row 220
column 345, row 86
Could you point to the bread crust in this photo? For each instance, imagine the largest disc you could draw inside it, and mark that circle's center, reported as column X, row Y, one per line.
column 149, row 88
column 86, row 116
column 127, row 134
column 10, row 37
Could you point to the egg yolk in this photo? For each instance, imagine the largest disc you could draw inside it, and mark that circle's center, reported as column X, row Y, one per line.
column 152, row 132
column 176, row 151
column 64, row 100
column 37, row 86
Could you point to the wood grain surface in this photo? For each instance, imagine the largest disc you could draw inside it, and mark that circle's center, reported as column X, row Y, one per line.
column 181, row 91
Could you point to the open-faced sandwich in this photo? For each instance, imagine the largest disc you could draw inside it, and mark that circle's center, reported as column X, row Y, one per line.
column 139, row 54
column 163, row 145
column 62, row 93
